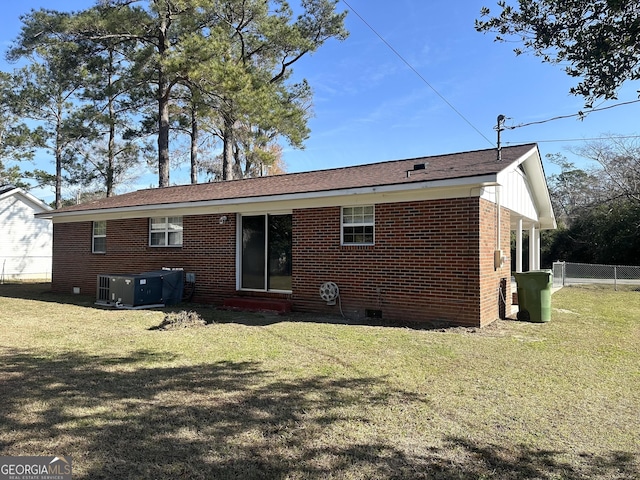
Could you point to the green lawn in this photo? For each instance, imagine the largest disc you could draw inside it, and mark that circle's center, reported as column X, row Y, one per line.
column 293, row 397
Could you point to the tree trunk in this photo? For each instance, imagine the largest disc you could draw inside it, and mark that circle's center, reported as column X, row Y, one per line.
column 111, row 155
column 163, row 106
column 227, row 149
column 112, row 135
column 194, row 145
column 58, row 168
column 163, row 134
column 58, row 150
column 237, row 162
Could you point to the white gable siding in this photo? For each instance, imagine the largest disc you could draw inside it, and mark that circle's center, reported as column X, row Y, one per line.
column 25, row 241
column 522, row 189
column 516, row 194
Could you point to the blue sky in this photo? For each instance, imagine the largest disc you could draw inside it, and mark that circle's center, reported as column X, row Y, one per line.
column 370, row 106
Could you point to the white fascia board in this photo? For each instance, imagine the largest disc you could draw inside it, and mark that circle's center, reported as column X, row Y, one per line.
column 535, row 177
column 453, row 188
column 8, row 193
column 538, row 183
column 34, row 202
column 533, row 152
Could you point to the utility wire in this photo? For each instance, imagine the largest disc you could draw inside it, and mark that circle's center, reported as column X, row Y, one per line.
column 416, row 72
column 572, row 139
column 580, row 114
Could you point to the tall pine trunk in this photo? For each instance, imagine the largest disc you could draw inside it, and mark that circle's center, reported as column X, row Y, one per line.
column 163, row 106
column 194, row 145
column 111, row 154
column 163, row 133
column 58, row 151
column 111, row 150
column 227, row 149
column 58, row 166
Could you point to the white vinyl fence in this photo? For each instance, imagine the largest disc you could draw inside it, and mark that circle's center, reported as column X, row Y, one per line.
column 565, row 273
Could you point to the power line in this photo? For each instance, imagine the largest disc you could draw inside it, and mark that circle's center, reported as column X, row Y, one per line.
column 580, row 114
column 572, row 139
column 406, row 62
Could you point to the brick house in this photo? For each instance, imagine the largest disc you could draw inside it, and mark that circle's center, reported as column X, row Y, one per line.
column 418, row 240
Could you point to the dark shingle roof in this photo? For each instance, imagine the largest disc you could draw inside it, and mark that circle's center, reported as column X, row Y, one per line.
column 439, row 167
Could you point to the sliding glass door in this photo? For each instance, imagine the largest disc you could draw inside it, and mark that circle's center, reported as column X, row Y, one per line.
column 266, row 252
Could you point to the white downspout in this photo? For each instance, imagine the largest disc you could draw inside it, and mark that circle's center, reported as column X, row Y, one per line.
column 498, row 217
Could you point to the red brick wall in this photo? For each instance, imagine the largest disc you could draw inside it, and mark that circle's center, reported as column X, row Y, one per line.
column 490, row 294
column 432, row 261
column 208, row 250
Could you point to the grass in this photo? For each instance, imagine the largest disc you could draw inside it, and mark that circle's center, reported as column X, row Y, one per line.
column 294, row 397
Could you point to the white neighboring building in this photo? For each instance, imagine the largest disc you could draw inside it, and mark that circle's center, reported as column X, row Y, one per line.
column 25, row 241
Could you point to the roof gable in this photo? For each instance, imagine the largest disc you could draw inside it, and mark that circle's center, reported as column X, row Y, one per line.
column 37, row 205
column 5, row 189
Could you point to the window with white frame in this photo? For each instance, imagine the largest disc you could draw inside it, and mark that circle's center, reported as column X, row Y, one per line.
column 165, row 231
column 99, row 237
column 358, row 225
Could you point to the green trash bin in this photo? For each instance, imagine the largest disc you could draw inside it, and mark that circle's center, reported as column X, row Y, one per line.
column 534, row 295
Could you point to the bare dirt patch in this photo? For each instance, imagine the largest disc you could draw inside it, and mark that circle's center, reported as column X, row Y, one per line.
column 182, row 319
